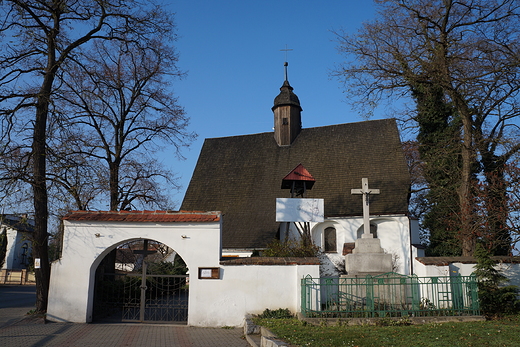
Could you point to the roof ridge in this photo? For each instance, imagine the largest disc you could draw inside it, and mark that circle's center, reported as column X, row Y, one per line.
column 144, row 215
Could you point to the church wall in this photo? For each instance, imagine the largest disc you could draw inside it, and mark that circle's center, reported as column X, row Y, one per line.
column 15, row 241
column 11, row 249
column 393, row 231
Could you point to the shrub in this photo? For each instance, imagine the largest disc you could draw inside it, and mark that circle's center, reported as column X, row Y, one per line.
column 279, row 313
column 278, row 248
column 495, row 296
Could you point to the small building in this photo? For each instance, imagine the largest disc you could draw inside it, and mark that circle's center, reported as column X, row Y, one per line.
column 19, row 231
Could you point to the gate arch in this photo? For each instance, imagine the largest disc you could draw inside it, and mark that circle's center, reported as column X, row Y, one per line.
column 141, row 281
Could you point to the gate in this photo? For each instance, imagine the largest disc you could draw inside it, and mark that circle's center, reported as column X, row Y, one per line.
column 131, row 296
column 136, row 298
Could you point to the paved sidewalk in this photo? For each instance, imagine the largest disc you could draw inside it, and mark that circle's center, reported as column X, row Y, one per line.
column 17, row 330
column 15, row 302
column 29, row 332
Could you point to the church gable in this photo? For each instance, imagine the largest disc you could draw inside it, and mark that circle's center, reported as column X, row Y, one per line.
column 241, row 176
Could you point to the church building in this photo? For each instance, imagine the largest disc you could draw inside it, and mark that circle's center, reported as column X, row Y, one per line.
column 241, row 176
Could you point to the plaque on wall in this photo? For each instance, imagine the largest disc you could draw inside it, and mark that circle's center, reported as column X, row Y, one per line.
column 209, row 273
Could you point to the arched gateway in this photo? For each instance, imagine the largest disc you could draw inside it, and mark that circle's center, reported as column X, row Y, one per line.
column 141, row 281
column 93, row 280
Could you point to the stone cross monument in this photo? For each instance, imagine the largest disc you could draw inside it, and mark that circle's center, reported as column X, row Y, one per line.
column 366, row 205
column 367, row 258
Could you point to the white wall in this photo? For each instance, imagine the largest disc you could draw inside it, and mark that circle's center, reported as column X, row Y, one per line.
column 510, row 270
column 212, row 302
column 393, row 231
column 422, row 270
column 247, row 289
column 72, row 276
column 13, row 257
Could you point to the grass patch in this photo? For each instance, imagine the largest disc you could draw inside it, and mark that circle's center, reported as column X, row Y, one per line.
column 503, row 332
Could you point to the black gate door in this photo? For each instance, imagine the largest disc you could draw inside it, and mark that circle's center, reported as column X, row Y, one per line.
column 141, row 296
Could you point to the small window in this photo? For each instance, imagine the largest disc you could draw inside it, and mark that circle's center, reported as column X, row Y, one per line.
column 373, row 231
column 25, row 249
column 330, row 240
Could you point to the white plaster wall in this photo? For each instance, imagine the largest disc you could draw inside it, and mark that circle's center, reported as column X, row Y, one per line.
column 510, row 270
column 393, row 231
column 422, row 270
column 72, row 277
column 461, row 269
column 13, row 257
column 212, row 302
column 11, row 249
column 332, row 264
column 246, row 289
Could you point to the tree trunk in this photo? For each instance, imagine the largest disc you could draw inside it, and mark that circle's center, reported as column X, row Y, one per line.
column 114, row 186
column 467, row 232
column 498, row 237
column 41, row 214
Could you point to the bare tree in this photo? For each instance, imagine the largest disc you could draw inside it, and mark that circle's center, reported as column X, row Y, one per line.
column 39, row 37
column 468, row 49
column 120, row 102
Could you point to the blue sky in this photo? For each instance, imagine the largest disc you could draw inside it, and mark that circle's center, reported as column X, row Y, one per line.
column 231, row 51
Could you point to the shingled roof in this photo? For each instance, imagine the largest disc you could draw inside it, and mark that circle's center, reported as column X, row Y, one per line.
column 241, row 176
column 17, row 222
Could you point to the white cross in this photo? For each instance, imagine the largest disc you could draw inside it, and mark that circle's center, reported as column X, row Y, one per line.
column 366, row 204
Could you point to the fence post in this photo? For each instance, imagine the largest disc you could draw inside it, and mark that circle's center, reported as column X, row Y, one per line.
column 416, row 298
column 473, row 292
column 369, row 282
column 305, row 294
column 456, row 292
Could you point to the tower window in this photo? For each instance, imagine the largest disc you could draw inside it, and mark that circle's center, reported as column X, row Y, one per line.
column 285, row 121
column 330, row 240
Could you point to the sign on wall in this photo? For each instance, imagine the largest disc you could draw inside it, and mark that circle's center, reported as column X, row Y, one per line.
column 299, row 210
column 209, row 273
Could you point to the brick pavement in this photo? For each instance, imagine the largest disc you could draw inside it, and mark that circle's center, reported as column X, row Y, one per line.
column 17, row 331
column 31, row 332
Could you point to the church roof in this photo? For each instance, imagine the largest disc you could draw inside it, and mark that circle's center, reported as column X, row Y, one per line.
column 241, row 176
column 17, row 222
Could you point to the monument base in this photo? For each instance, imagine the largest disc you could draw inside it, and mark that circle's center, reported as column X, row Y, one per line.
column 368, row 258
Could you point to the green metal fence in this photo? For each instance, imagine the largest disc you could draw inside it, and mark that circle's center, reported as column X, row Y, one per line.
column 389, row 295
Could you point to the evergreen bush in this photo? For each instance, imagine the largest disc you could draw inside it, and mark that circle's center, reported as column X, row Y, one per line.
column 495, row 295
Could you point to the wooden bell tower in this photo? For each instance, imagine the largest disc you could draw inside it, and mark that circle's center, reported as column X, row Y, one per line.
column 287, row 114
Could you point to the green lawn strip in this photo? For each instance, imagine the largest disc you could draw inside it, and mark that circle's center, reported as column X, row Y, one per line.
column 504, row 332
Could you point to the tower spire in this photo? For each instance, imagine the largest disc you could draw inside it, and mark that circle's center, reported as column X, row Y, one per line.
column 286, row 64
column 287, row 111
